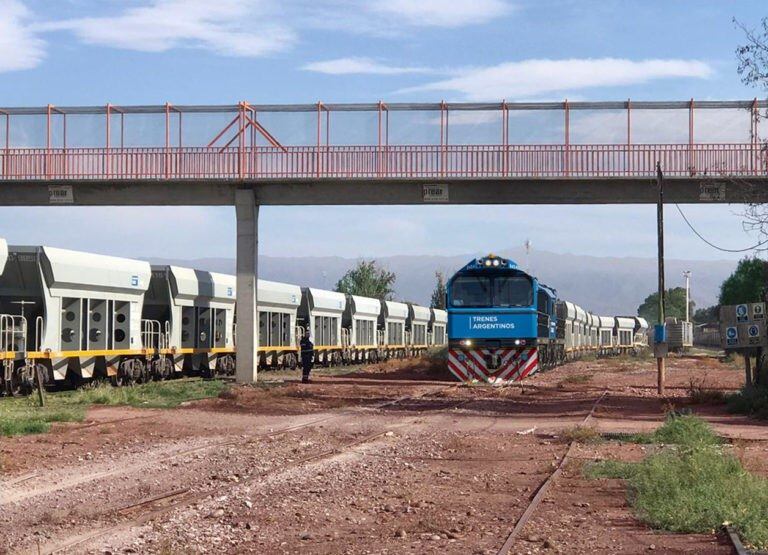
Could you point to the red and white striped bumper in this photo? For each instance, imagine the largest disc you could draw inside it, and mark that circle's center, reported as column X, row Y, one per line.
column 495, row 366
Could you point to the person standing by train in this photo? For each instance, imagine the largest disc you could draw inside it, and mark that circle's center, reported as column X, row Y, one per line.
column 307, row 356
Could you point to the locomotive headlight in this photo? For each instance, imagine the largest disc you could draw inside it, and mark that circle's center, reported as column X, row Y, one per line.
column 517, row 342
column 466, row 342
column 495, row 261
column 488, row 263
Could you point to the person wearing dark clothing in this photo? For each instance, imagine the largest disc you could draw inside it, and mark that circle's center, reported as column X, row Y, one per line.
column 307, row 357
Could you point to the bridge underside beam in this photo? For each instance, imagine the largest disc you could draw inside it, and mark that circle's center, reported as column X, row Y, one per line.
column 328, row 191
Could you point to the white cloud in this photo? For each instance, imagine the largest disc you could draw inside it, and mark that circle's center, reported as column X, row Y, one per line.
column 529, row 78
column 230, row 27
column 349, row 66
column 20, row 48
column 442, row 13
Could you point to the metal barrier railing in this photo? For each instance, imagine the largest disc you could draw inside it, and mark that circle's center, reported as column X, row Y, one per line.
column 13, row 333
column 391, row 161
column 153, row 336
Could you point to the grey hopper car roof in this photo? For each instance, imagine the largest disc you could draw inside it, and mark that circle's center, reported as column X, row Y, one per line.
column 394, row 311
column 364, row 307
column 606, row 321
column 191, row 287
column 439, row 316
column 74, row 273
column 420, row 314
column 3, row 254
column 273, row 294
column 320, row 300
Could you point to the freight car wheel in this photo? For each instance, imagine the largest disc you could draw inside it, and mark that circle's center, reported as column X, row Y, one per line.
column 290, row 361
column 16, row 386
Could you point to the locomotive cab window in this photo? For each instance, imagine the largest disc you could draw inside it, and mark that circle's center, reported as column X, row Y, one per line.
column 470, row 291
column 512, row 291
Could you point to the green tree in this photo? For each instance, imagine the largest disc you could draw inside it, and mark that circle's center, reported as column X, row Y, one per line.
column 674, row 305
column 438, row 295
column 368, row 279
column 746, row 284
column 753, row 55
column 708, row 315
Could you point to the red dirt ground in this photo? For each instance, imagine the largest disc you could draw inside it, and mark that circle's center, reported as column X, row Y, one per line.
column 394, row 458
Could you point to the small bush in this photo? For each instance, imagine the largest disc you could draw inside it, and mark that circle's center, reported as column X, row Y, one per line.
column 686, row 430
column 752, row 401
column 693, row 487
column 699, row 394
column 698, row 490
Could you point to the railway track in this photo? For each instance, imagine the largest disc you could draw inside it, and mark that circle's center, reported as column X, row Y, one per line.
column 145, row 510
column 9, row 496
column 544, row 487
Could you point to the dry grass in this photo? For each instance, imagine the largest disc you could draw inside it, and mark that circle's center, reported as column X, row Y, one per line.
column 582, row 434
column 700, row 394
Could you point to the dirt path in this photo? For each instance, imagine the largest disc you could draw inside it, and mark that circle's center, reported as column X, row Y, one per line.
column 392, row 459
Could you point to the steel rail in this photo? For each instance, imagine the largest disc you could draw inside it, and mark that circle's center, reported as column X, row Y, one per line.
column 9, row 498
column 541, row 492
column 190, row 498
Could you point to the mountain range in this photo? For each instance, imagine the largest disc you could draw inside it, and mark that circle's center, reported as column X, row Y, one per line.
column 603, row 285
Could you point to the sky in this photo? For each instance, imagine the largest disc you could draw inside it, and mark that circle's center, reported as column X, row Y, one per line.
column 89, row 52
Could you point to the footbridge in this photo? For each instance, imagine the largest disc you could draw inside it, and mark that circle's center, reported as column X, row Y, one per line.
column 248, row 155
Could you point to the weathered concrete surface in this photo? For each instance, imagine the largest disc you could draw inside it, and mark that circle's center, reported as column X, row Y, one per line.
column 325, row 191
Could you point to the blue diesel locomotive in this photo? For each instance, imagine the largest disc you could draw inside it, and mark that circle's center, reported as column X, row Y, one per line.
column 502, row 323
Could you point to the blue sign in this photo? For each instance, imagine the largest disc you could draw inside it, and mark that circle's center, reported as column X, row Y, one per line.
column 742, row 313
column 754, row 331
column 731, row 336
column 134, row 281
column 491, row 324
column 229, row 291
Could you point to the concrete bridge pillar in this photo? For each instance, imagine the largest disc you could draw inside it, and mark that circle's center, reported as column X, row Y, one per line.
column 247, row 212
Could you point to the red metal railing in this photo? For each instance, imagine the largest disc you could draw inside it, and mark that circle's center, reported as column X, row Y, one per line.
column 432, row 161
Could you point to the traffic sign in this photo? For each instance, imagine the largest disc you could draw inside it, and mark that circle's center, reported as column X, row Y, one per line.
column 742, row 313
column 758, row 311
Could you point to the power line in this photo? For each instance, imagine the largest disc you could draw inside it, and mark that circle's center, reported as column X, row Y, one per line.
column 700, row 236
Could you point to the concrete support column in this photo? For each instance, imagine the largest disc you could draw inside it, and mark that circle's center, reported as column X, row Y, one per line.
column 247, row 212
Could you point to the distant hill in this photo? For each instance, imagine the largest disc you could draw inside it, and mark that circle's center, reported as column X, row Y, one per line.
column 605, row 285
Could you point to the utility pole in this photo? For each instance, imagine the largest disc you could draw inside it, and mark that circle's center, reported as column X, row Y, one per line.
column 527, row 246
column 687, row 276
column 660, row 362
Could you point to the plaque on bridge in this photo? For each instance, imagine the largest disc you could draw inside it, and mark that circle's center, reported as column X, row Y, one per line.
column 435, row 193
column 712, row 191
column 60, row 194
